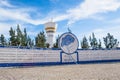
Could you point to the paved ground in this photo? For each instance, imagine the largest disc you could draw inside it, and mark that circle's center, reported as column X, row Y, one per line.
column 110, row 71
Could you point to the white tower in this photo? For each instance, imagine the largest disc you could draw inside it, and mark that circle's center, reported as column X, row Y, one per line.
column 50, row 28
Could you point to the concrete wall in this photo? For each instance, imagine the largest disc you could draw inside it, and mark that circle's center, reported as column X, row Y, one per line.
column 87, row 55
column 14, row 55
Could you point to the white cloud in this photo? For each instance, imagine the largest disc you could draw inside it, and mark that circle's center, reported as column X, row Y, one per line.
column 4, row 29
column 87, row 9
column 18, row 14
column 5, row 3
column 100, row 33
column 14, row 13
column 112, row 30
column 115, row 21
column 92, row 7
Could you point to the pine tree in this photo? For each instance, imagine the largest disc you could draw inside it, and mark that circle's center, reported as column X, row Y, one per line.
column 93, row 41
column 110, row 41
column 47, row 45
column 24, row 38
column 40, row 40
column 84, row 43
column 100, row 44
column 30, row 42
column 12, row 41
column 2, row 40
column 19, row 36
column 56, row 44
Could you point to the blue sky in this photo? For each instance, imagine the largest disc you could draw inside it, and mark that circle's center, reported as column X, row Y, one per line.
column 82, row 16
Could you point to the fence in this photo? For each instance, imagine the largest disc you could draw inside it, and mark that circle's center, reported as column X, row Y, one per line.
column 32, row 57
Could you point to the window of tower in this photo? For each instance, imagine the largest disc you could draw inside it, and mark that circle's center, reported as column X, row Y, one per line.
column 50, row 31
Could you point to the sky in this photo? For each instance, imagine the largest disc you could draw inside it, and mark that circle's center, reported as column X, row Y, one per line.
column 83, row 17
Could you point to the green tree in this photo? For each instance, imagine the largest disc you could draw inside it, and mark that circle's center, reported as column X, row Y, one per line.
column 40, row 40
column 47, row 45
column 19, row 36
column 93, row 41
column 30, row 42
column 56, row 44
column 2, row 40
column 110, row 41
column 24, row 38
column 84, row 43
column 100, row 44
column 12, row 40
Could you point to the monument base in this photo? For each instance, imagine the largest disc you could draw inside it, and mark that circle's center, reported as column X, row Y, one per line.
column 69, row 58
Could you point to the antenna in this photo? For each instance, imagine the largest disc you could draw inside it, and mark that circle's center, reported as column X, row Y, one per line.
column 69, row 29
column 51, row 19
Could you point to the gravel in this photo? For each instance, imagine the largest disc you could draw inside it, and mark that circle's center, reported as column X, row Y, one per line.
column 108, row 71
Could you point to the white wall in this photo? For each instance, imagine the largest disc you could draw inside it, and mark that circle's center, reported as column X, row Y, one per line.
column 13, row 55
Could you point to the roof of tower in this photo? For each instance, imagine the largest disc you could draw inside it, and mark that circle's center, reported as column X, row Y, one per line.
column 50, row 24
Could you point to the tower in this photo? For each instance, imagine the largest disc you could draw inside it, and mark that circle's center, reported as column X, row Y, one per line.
column 50, row 28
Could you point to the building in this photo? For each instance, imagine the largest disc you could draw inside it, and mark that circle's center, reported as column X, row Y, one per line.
column 50, row 28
